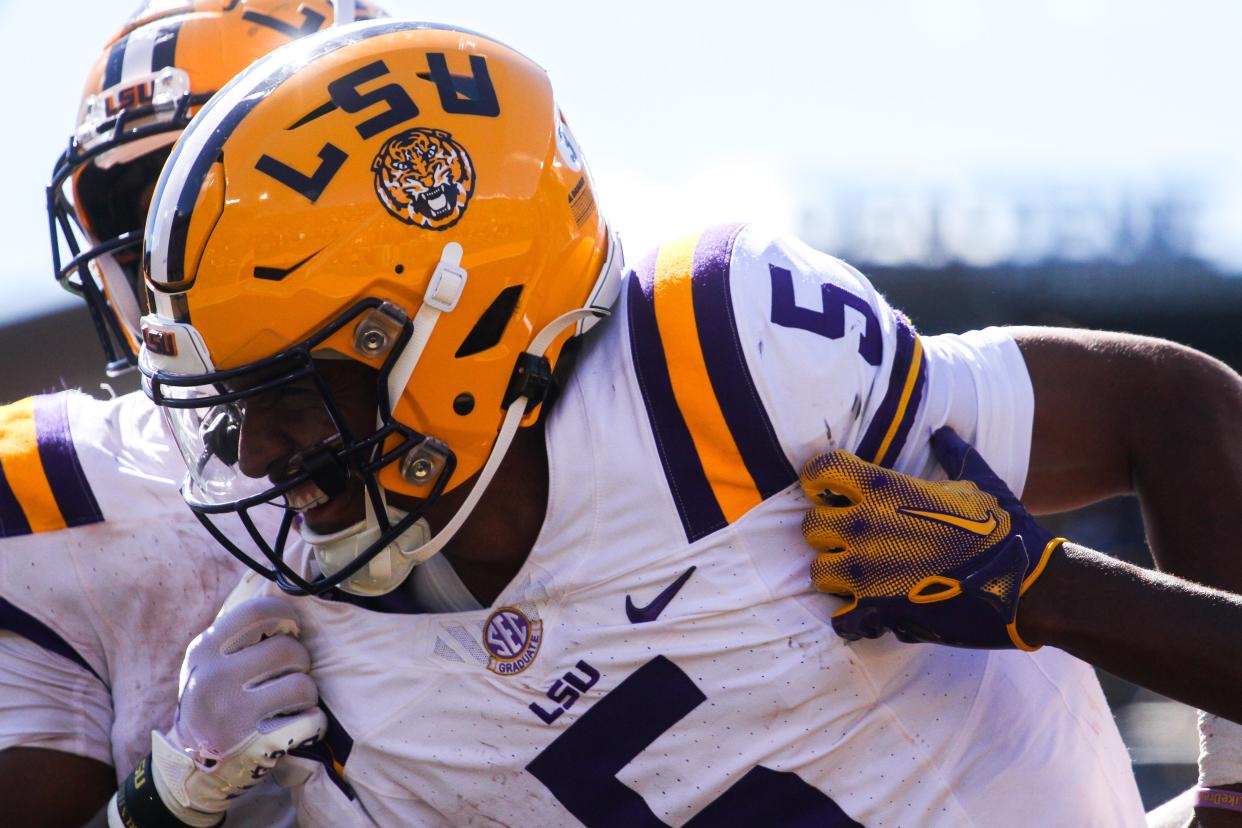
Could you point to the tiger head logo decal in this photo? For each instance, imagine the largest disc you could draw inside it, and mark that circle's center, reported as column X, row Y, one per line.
column 424, row 177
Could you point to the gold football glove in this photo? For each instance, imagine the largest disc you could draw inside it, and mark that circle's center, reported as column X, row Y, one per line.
column 942, row 562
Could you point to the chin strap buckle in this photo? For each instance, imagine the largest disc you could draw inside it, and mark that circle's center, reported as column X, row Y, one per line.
column 448, row 280
column 531, row 378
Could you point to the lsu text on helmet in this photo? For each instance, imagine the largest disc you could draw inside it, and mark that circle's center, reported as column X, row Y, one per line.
column 395, row 195
column 152, row 76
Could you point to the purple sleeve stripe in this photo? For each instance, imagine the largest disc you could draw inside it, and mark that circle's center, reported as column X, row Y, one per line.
column 60, row 462
column 869, row 447
column 12, row 518
column 696, row 503
column 903, row 429
column 735, row 391
column 34, row 630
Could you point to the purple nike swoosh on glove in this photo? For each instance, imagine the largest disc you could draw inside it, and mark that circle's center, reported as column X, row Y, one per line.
column 943, row 562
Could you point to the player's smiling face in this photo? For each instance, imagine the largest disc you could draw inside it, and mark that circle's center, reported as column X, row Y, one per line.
column 280, row 427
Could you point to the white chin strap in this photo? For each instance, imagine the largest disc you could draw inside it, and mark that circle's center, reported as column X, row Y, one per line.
column 508, row 429
column 391, row 566
column 120, row 291
column 388, row 569
column 383, row 572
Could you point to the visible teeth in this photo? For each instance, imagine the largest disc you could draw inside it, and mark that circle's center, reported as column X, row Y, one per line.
column 305, row 497
column 438, row 202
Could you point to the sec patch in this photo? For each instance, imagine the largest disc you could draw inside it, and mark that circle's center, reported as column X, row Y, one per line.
column 512, row 640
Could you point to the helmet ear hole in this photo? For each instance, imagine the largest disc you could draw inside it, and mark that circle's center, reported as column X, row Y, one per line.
column 491, row 325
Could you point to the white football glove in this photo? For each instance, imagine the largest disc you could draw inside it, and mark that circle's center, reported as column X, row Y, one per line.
column 246, row 699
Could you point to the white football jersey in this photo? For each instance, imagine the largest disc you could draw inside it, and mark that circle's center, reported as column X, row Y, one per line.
column 661, row 658
column 105, row 576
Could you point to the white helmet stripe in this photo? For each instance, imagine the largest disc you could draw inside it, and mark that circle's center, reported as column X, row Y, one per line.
column 137, row 60
column 163, row 305
column 342, row 12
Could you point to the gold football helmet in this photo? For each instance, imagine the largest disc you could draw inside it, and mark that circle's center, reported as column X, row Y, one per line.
column 153, row 75
column 401, row 195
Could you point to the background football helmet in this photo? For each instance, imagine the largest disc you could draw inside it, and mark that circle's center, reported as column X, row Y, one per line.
column 153, row 75
column 399, row 194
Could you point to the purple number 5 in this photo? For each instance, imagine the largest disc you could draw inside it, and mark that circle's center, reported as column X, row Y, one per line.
column 829, row 322
column 580, row 766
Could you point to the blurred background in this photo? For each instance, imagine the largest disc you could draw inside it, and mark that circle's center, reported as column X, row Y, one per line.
column 1065, row 162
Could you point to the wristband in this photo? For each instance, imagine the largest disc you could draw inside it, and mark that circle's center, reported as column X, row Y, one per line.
column 1218, row 798
column 137, row 804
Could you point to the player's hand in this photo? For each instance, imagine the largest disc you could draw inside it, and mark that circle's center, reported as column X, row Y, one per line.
column 941, row 562
column 246, row 699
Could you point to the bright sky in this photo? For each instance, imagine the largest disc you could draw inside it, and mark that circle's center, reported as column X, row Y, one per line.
column 722, row 110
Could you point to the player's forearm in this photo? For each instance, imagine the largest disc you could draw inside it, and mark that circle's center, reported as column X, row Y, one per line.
column 1156, row 630
column 52, row 788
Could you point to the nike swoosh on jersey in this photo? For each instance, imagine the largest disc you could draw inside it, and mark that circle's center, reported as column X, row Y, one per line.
column 276, row 274
column 641, row 615
column 976, row 527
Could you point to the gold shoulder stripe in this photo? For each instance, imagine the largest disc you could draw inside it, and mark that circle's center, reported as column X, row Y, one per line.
column 19, row 455
column 726, row 471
